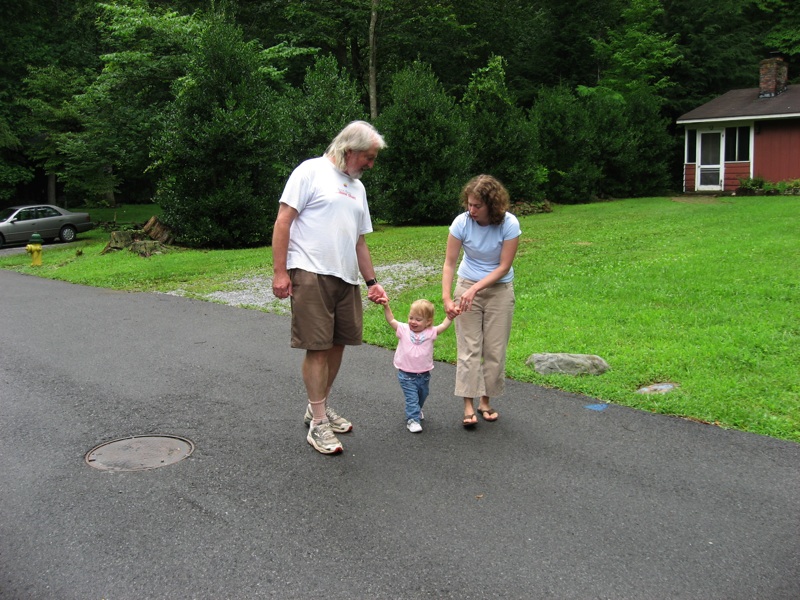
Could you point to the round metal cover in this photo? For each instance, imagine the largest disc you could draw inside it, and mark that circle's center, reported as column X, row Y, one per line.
column 139, row 453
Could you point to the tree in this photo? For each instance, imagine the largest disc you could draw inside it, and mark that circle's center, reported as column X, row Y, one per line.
column 37, row 34
column 521, row 31
column 502, row 140
column 568, row 146
column 652, row 147
column 720, row 44
column 419, row 176
column 217, row 155
column 373, row 61
column 12, row 171
column 429, row 32
column 633, row 53
column 357, row 31
column 148, row 50
column 50, row 116
column 784, row 20
column 311, row 115
column 628, row 141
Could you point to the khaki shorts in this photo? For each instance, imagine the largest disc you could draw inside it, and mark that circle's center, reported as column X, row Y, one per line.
column 326, row 311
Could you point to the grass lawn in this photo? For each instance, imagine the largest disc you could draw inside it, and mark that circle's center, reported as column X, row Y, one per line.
column 699, row 292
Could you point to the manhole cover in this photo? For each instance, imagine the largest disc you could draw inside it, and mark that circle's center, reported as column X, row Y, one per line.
column 139, row 453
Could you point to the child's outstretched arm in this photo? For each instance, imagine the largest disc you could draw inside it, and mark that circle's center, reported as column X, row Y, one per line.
column 387, row 312
column 443, row 325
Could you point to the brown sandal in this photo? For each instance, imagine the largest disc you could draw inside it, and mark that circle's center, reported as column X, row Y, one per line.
column 468, row 422
column 490, row 411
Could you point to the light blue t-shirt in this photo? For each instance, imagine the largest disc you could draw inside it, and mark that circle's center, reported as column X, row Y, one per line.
column 483, row 245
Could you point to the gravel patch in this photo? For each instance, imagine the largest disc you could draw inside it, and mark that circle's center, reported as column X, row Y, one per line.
column 256, row 291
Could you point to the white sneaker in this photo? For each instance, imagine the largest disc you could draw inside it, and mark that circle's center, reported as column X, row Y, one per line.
column 413, row 426
column 323, row 440
column 421, row 416
column 338, row 424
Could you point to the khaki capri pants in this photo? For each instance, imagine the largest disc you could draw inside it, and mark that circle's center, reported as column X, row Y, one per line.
column 482, row 334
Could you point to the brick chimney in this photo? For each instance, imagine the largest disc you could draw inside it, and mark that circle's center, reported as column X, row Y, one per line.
column 773, row 76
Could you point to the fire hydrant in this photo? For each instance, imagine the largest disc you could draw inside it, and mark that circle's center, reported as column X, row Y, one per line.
column 34, row 248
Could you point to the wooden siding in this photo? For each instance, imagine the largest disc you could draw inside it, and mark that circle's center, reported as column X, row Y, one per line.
column 776, row 151
column 734, row 171
column 689, row 173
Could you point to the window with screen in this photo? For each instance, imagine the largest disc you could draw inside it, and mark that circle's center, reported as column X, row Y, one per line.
column 691, row 146
column 737, row 144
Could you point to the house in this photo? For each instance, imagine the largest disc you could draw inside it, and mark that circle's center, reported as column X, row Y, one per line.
column 744, row 134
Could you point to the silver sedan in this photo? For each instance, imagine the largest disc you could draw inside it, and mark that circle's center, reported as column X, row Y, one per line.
column 19, row 223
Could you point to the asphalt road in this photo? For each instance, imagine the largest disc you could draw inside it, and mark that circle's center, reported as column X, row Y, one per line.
column 555, row 500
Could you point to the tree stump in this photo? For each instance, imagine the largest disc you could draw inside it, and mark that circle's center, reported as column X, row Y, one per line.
column 152, row 239
column 156, row 230
column 118, row 241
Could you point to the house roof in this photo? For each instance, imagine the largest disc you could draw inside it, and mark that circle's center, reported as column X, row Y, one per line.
column 745, row 104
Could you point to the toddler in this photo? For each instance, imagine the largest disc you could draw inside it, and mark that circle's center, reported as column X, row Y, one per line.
column 414, row 355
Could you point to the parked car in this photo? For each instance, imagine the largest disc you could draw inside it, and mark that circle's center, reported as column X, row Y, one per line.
column 18, row 223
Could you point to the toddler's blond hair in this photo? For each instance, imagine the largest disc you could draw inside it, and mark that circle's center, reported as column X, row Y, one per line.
column 423, row 308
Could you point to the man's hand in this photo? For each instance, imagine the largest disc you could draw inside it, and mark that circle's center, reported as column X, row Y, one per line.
column 282, row 285
column 375, row 293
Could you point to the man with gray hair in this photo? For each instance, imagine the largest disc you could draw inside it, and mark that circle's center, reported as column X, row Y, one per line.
column 318, row 250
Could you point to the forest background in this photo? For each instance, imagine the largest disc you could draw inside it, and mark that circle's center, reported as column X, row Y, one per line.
column 205, row 107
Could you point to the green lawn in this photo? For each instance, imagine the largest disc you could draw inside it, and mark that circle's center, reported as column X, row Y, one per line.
column 702, row 293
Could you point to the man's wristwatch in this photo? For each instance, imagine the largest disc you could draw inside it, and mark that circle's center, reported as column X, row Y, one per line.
column 371, row 282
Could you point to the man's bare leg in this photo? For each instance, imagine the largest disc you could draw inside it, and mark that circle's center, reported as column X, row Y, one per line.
column 320, row 368
column 335, row 355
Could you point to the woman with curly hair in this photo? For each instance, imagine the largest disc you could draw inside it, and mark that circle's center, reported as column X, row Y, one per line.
column 484, row 292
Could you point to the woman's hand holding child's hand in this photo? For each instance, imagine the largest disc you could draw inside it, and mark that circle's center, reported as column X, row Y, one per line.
column 452, row 309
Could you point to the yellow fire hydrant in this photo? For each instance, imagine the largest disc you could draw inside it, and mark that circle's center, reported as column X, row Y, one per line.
column 34, row 248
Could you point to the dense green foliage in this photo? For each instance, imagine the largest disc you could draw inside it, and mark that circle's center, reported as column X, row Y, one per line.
column 501, row 135
column 420, row 174
column 208, row 105
column 212, row 153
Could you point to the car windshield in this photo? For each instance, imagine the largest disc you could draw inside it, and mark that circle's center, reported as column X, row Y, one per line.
column 7, row 213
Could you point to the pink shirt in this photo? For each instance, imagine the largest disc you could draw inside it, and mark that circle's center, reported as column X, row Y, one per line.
column 414, row 352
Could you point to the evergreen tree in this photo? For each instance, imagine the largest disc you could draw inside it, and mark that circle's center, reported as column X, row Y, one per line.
column 502, row 140
column 419, row 176
column 218, row 153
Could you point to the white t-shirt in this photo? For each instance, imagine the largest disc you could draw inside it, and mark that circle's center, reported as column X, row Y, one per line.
column 332, row 213
column 483, row 245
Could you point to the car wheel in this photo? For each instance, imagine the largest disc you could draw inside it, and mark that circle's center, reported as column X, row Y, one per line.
column 67, row 234
column 2, row 240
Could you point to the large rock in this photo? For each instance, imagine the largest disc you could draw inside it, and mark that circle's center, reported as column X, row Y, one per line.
column 569, row 364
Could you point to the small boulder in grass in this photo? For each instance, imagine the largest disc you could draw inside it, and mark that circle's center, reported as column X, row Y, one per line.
column 567, row 364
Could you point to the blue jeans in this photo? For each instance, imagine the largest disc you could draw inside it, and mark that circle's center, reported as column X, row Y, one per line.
column 415, row 387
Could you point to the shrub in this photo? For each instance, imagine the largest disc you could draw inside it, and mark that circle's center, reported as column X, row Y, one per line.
column 502, row 140
column 758, row 186
column 599, row 143
column 568, row 148
column 789, row 188
column 522, row 208
column 311, row 116
column 418, row 177
column 217, row 155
